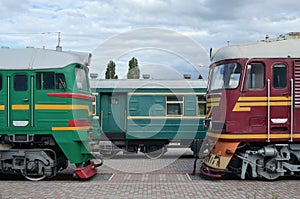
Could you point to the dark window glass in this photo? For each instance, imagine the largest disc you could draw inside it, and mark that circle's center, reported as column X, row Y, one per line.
column 255, row 76
column 201, row 105
column 174, row 105
column 20, row 82
column 38, row 81
column 0, row 82
column 279, row 76
column 48, row 80
column 174, row 98
column 60, row 81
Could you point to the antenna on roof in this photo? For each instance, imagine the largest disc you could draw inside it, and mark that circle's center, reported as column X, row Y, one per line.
column 58, row 47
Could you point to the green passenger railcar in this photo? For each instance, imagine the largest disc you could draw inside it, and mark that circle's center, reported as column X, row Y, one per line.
column 45, row 112
column 147, row 114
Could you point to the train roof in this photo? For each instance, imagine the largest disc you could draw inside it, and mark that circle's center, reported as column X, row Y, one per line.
column 39, row 58
column 148, row 83
column 285, row 46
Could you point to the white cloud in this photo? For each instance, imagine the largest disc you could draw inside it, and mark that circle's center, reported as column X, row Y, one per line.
column 86, row 24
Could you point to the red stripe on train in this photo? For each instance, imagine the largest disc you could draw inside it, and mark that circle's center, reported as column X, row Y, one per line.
column 78, row 123
column 72, row 95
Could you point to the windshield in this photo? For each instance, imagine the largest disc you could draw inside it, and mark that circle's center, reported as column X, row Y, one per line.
column 81, row 79
column 225, row 76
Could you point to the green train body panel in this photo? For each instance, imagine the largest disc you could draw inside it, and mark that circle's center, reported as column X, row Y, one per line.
column 142, row 111
column 31, row 111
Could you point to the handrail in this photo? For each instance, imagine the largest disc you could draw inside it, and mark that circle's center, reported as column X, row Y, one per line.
column 8, row 101
column 292, row 110
column 269, row 111
column 32, row 101
column 101, row 119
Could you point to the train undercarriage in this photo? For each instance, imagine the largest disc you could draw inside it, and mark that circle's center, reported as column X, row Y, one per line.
column 270, row 162
column 266, row 161
column 35, row 157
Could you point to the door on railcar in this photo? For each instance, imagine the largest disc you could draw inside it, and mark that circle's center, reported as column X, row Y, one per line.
column 3, row 105
column 254, row 98
column 280, row 99
column 20, row 99
column 113, row 112
column 267, row 98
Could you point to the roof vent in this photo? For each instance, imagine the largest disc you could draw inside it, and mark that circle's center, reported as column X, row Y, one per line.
column 59, row 48
column 4, row 47
column 94, row 75
column 146, row 76
column 187, row 76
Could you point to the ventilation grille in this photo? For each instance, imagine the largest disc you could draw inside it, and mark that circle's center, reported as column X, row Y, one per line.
column 297, row 84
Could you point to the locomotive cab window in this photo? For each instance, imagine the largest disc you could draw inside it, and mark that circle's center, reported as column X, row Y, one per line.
column 81, row 80
column 255, row 76
column 279, row 76
column 50, row 80
column 60, row 81
column 201, row 101
column 225, row 76
column 0, row 82
column 20, row 82
column 174, row 105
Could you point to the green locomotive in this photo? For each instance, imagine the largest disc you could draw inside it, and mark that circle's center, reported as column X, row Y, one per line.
column 45, row 112
column 146, row 115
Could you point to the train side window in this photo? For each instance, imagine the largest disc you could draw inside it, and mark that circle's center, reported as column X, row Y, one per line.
column 20, row 82
column 60, row 81
column 201, row 101
column 174, row 105
column 48, row 80
column 255, row 76
column 0, row 82
column 38, row 81
column 279, row 76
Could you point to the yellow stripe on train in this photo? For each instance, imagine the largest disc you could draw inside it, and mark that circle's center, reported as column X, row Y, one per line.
column 252, row 136
column 2, row 107
column 67, row 128
column 62, row 107
column 245, row 103
column 20, row 107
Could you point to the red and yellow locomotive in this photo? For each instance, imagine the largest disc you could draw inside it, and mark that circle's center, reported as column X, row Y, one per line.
column 253, row 110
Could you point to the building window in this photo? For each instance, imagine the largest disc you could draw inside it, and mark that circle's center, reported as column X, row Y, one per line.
column 20, row 82
column 279, row 76
column 174, row 105
column 255, row 76
column 201, row 101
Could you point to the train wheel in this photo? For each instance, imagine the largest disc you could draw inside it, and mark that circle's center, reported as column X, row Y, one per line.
column 155, row 151
column 32, row 177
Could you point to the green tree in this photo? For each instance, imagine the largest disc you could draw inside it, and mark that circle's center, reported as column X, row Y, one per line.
column 111, row 70
column 133, row 70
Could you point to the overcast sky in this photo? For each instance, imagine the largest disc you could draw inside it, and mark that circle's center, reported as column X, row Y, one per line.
column 168, row 37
